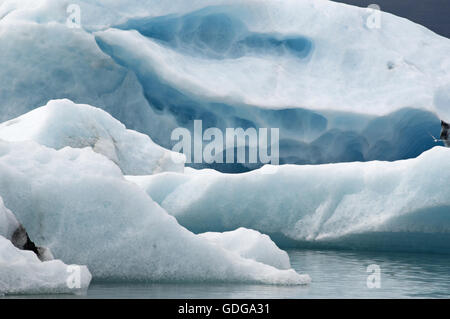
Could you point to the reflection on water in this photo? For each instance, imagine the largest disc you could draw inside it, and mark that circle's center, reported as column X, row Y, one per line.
column 335, row 274
column 403, row 275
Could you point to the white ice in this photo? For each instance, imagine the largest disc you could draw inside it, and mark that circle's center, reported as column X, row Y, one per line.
column 350, row 66
column 21, row 272
column 8, row 222
column 402, row 205
column 312, row 68
column 397, row 65
column 62, row 123
column 251, row 244
column 77, row 203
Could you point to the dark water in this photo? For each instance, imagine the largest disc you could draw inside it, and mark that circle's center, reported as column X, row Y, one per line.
column 335, row 274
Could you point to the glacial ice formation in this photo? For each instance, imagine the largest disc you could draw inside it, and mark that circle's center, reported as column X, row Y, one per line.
column 338, row 90
column 21, row 272
column 77, row 203
column 8, row 222
column 306, row 135
column 62, row 123
column 313, row 68
column 399, row 206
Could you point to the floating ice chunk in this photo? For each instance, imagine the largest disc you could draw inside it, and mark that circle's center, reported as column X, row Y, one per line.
column 63, row 123
column 402, row 205
column 77, row 203
column 251, row 244
column 21, row 272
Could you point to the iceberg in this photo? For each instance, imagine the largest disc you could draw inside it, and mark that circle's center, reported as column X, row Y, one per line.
column 77, row 203
column 398, row 206
column 101, row 193
column 338, row 89
column 307, row 134
column 21, row 272
column 62, row 123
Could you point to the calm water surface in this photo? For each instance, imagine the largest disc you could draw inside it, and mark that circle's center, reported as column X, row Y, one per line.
column 335, row 274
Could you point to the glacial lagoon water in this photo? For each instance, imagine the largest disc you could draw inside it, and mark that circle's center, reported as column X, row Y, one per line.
column 335, row 274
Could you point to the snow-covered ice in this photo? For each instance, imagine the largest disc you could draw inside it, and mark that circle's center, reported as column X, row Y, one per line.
column 62, row 123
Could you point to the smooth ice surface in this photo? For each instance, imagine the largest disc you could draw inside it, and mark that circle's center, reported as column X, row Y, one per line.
column 313, row 68
column 77, row 203
column 400, row 206
column 21, row 272
column 251, row 244
column 62, row 123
